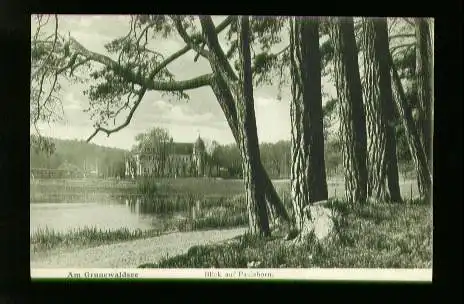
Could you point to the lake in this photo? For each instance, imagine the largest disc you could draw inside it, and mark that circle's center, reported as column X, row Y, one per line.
column 64, row 205
column 111, row 213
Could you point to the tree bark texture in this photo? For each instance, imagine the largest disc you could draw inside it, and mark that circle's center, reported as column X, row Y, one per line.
column 424, row 84
column 424, row 177
column 352, row 116
column 222, row 87
column 308, row 177
column 248, row 135
column 383, row 178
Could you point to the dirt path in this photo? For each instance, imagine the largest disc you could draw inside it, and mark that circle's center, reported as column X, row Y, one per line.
column 134, row 253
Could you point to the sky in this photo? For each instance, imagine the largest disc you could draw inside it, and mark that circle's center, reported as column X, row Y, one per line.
column 183, row 119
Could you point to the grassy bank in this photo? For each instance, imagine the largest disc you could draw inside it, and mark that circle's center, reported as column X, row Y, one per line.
column 206, row 204
column 370, row 236
column 46, row 239
column 213, row 214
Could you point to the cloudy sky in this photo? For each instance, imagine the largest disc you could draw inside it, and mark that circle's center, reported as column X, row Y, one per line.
column 184, row 120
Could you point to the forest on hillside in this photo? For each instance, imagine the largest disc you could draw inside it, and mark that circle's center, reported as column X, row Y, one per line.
column 85, row 156
column 111, row 161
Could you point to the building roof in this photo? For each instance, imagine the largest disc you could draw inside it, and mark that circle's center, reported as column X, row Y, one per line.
column 182, row 148
column 177, row 148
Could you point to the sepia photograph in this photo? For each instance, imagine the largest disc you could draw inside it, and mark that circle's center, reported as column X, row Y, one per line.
column 239, row 147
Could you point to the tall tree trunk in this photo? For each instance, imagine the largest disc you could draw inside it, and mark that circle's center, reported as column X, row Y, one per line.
column 424, row 177
column 299, row 122
column 227, row 103
column 424, row 83
column 383, row 180
column 352, row 116
column 308, row 179
column 312, row 97
column 222, row 90
column 248, row 134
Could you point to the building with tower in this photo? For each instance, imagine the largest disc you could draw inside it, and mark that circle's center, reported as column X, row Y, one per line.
column 177, row 160
column 199, row 156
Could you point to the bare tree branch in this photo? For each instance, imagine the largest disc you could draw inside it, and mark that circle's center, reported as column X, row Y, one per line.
column 109, row 131
column 39, row 94
column 170, row 59
column 194, row 43
column 222, row 26
column 219, row 28
column 51, row 91
column 175, row 85
column 130, row 76
column 215, row 48
column 53, row 46
column 198, row 54
column 205, row 79
column 159, row 86
column 124, row 124
column 183, row 85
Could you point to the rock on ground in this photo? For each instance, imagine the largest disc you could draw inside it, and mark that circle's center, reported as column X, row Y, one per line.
column 321, row 222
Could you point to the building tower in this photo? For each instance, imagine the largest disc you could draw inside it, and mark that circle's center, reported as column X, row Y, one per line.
column 199, row 154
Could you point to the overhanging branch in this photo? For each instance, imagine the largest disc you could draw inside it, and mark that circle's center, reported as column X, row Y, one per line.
column 147, row 83
column 158, row 86
column 182, row 85
column 123, row 125
column 222, row 26
column 192, row 42
column 215, row 48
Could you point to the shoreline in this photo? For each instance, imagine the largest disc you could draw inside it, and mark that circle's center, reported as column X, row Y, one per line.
column 64, row 249
column 134, row 252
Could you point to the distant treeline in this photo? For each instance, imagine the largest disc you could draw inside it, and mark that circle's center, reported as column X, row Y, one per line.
column 86, row 157
column 78, row 155
column 275, row 158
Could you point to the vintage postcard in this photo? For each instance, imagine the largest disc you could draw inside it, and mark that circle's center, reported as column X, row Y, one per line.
column 231, row 147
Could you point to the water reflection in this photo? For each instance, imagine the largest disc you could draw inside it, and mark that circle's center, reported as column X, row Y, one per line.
column 132, row 212
column 142, row 205
column 121, row 211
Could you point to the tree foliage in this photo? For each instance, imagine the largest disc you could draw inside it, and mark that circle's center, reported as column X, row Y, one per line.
column 50, row 60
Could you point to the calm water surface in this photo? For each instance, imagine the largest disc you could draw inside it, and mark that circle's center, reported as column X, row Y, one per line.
column 111, row 214
column 106, row 211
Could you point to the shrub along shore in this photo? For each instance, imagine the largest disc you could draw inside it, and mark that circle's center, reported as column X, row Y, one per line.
column 371, row 236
